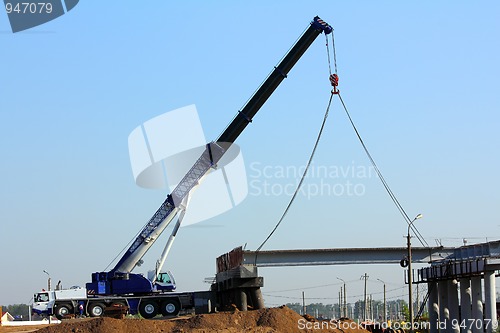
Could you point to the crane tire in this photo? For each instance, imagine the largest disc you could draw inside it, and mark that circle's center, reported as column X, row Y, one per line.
column 170, row 307
column 96, row 309
column 63, row 310
column 148, row 309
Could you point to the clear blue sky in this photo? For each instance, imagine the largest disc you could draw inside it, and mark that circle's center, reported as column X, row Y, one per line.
column 421, row 81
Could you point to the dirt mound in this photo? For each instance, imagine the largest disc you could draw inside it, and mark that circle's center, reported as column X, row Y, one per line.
column 272, row 320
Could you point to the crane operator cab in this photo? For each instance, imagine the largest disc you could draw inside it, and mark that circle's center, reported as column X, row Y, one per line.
column 164, row 281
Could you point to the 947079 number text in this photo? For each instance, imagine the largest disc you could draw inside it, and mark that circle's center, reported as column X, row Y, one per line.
column 28, row 8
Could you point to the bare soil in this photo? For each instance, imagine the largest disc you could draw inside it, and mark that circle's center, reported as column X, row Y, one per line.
column 20, row 329
column 271, row 320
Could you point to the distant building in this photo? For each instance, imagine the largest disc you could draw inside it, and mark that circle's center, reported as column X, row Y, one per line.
column 7, row 317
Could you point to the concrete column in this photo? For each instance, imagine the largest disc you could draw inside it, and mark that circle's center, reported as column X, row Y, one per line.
column 242, row 299
column 465, row 305
column 490, row 304
column 477, row 305
column 444, row 312
column 256, row 297
column 453, row 305
column 433, row 306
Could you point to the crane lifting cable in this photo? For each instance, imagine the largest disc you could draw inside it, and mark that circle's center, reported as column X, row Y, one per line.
column 382, row 179
column 334, row 81
column 301, row 178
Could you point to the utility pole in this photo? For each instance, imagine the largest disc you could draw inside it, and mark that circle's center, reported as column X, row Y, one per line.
column 418, row 301
column 385, row 307
column 384, row 318
column 365, row 277
column 345, row 303
column 410, row 273
column 303, row 304
column 371, row 307
column 344, row 312
column 340, row 303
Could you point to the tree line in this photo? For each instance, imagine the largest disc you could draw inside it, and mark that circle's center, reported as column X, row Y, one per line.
column 395, row 310
column 17, row 310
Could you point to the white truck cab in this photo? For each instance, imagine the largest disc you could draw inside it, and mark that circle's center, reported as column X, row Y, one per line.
column 43, row 302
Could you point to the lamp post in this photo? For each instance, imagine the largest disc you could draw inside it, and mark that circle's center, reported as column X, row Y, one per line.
column 385, row 304
column 410, row 273
column 344, row 307
column 48, row 279
column 48, row 285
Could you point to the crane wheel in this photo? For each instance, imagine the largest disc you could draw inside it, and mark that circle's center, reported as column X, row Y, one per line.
column 148, row 309
column 96, row 309
column 63, row 310
column 170, row 307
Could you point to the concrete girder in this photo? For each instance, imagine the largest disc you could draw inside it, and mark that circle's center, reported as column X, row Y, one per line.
column 346, row 256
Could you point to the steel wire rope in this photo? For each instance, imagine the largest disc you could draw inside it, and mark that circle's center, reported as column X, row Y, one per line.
column 126, row 246
column 379, row 173
column 350, row 297
column 329, row 285
column 381, row 177
column 299, row 185
column 365, row 148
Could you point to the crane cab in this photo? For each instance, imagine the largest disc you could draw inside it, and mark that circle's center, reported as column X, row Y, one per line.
column 164, row 281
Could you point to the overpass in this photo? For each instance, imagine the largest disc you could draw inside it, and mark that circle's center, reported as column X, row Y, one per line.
column 458, row 302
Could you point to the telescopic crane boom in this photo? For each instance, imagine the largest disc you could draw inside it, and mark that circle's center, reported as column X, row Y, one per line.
column 114, row 280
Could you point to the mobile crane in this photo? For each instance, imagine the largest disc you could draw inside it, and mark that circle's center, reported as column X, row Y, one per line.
column 154, row 295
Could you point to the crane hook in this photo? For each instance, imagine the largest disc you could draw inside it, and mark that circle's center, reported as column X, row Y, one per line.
column 334, row 80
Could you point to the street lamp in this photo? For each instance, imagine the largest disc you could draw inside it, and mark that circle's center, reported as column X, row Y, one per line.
column 385, row 304
column 410, row 273
column 48, row 279
column 344, row 308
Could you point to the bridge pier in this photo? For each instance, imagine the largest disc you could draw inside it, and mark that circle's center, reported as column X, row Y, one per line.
column 453, row 306
column 490, row 306
column 465, row 304
column 477, row 303
column 433, row 306
column 444, row 311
